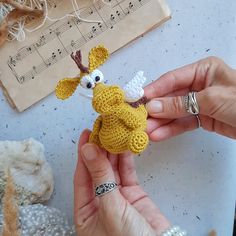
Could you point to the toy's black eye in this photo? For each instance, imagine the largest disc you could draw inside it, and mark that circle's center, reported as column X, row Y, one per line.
column 87, row 82
column 97, row 78
column 89, row 85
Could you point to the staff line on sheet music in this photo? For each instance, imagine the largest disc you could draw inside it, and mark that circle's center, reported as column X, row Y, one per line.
column 61, row 53
column 44, row 39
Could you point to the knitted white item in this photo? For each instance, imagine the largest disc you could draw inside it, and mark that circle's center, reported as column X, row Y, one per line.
column 134, row 89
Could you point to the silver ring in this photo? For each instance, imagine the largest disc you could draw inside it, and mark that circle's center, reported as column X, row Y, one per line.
column 105, row 188
column 190, row 103
column 198, row 121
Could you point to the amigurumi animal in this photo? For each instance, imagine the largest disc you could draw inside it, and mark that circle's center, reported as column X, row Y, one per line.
column 122, row 121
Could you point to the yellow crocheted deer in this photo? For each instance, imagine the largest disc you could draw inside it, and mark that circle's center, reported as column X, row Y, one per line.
column 120, row 126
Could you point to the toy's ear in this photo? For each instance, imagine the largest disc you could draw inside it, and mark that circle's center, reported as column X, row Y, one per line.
column 97, row 56
column 66, row 87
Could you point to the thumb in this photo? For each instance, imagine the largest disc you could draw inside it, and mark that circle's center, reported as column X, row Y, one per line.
column 167, row 107
column 97, row 164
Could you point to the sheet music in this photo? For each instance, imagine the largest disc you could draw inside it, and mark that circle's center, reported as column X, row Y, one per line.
column 31, row 69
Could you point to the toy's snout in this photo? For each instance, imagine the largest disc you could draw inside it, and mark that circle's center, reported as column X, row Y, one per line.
column 99, row 88
column 107, row 98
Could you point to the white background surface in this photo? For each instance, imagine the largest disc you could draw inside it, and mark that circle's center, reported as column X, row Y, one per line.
column 192, row 178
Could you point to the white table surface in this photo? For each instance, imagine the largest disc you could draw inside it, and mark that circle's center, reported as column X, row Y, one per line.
column 192, row 177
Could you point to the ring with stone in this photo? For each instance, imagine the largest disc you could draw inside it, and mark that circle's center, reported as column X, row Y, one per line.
column 105, row 188
column 190, row 103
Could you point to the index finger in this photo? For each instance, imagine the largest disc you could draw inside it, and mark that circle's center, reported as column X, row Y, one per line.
column 188, row 77
column 128, row 176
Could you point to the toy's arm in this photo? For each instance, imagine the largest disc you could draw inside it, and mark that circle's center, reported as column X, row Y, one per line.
column 94, row 136
column 130, row 118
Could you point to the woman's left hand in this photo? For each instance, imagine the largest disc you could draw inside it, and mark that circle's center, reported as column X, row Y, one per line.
column 127, row 210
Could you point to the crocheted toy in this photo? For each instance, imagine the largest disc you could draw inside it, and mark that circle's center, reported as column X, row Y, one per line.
column 122, row 121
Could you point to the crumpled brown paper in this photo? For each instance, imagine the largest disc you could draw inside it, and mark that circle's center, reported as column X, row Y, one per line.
column 20, row 11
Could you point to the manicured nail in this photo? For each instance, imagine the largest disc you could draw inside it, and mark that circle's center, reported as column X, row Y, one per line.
column 89, row 152
column 154, row 106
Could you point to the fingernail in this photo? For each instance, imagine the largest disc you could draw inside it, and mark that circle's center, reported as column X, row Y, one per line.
column 89, row 152
column 154, row 106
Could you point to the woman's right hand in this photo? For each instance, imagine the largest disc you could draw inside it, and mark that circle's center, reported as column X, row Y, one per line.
column 215, row 85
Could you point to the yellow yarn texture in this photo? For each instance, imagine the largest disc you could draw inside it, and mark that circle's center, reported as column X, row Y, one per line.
column 97, row 56
column 119, row 127
column 66, row 87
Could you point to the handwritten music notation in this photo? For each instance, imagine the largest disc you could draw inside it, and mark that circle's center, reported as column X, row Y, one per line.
column 54, row 44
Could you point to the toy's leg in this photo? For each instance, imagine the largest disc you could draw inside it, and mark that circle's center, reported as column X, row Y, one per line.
column 138, row 141
column 94, row 136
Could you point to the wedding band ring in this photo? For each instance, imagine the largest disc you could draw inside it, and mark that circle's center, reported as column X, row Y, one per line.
column 105, row 188
column 190, row 103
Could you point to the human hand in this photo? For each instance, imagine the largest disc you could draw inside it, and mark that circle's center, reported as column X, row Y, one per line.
column 215, row 84
column 127, row 210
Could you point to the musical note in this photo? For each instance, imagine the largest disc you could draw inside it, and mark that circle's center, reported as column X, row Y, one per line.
column 53, row 55
column 94, row 29
column 112, row 17
column 35, row 69
column 57, row 31
column 18, row 57
column 77, row 21
column 118, row 13
column 90, row 35
column 127, row 11
column 142, row 2
column 72, row 43
column 102, row 27
column 90, row 11
column 12, row 61
column 53, row 3
column 59, row 51
column 41, row 41
column 21, row 79
column 69, row 24
column 75, row 44
column 28, row 76
column 29, row 49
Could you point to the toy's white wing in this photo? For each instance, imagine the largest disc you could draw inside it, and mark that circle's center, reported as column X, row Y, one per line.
column 134, row 89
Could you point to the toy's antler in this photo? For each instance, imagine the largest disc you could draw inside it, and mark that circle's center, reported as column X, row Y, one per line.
column 78, row 60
